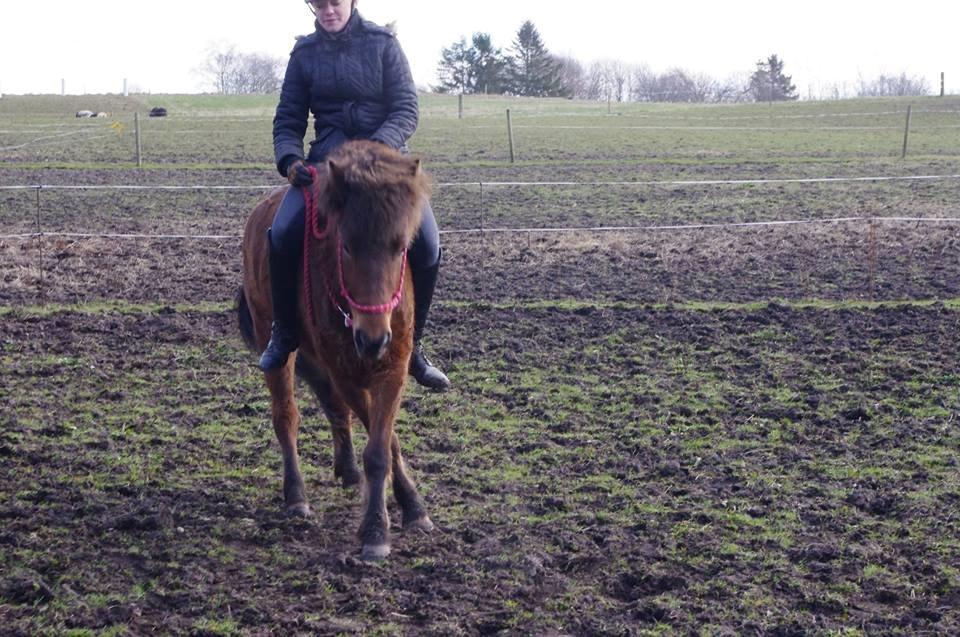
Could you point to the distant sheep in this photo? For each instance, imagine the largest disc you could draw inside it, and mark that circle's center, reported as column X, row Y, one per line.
column 84, row 113
column 158, row 111
column 101, row 114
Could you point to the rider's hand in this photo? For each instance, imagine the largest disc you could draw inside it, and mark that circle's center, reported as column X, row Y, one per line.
column 298, row 174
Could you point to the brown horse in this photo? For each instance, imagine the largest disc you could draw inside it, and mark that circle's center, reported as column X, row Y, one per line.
column 362, row 212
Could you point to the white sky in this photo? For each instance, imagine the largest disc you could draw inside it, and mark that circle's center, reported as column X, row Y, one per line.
column 95, row 44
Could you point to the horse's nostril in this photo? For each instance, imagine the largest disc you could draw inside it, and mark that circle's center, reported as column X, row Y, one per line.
column 360, row 340
column 371, row 348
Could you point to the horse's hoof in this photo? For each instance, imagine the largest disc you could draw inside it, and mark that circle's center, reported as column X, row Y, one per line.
column 422, row 524
column 299, row 510
column 374, row 552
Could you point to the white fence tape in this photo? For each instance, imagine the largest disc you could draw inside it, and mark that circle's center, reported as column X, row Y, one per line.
column 467, row 184
column 481, row 231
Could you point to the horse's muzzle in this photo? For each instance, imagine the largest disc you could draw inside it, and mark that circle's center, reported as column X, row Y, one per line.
column 371, row 348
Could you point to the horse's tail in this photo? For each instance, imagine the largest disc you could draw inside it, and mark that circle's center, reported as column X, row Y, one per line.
column 245, row 320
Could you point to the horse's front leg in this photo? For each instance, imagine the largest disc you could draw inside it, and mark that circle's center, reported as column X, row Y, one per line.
column 414, row 512
column 339, row 415
column 377, row 465
column 286, row 423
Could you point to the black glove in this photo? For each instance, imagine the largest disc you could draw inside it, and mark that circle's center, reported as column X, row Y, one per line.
column 298, row 174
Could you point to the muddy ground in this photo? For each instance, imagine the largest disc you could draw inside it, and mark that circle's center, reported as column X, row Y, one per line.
column 595, row 471
column 621, row 455
column 838, row 261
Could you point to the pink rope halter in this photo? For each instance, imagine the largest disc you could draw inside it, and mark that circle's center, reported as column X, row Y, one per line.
column 313, row 230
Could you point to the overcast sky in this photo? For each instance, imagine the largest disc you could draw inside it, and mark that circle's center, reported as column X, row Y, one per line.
column 95, row 44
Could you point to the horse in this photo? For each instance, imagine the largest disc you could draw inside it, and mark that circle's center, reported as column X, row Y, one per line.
column 355, row 307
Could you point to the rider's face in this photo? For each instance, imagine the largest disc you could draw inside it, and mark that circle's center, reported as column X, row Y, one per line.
column 332, row 14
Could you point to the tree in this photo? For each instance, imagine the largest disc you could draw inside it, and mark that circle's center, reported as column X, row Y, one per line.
column 456, row 68
column 893, row 86
column 220, row 67
column 769, row 84
column 258, row 74
column 609, row 81
column 533, row 71
column 233, row 73
column 573, row 79
column 488, row 65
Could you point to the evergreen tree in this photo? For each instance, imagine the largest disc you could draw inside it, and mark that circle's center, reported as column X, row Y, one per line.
column 489, row 65
column 533, row 71
column 456, row 68
column 769, row 84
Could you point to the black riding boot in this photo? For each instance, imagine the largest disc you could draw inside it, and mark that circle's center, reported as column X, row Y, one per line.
column 284, row 332
column 424, row 281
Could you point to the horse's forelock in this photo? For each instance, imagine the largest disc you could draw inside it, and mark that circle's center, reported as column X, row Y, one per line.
column 382, row 185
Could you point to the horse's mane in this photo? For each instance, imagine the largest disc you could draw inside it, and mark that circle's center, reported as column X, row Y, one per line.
column 381, row 183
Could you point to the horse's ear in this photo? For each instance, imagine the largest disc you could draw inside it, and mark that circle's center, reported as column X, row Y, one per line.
column 338, row 183
column 415, row 171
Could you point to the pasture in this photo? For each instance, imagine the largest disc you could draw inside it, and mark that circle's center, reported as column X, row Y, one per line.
column 719, row 429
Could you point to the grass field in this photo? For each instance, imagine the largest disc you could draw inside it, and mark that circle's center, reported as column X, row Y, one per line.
column 737, row 430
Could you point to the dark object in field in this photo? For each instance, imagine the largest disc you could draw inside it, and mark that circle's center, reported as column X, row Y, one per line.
column 363, row 209
column 84, row 114
column 158, row 111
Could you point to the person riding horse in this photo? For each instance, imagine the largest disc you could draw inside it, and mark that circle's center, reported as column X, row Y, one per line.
column 354, row 77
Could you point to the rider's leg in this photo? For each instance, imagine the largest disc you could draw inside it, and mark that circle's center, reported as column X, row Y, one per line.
column 286, row 244
column 425, row 256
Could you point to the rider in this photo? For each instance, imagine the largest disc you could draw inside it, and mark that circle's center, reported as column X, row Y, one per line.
column 354, row 77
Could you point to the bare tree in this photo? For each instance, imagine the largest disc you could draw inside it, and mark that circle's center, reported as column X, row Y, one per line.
column 608, row 80
column 893, row 86
column 572, row 76
column 231, row 73
column 643, row 84
column 735, row 88
column 220, row 67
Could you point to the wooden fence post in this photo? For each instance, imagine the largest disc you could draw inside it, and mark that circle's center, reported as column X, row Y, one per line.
column 906, row 132
column 510, row 134
column 136, row 126
column 460, row 106
column 482, row 240
column 40, row 247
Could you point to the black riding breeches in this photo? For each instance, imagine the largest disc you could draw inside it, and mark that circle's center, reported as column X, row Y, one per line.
column 286, row 234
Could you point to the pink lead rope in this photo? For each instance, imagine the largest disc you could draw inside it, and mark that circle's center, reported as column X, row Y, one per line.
column 313, row 230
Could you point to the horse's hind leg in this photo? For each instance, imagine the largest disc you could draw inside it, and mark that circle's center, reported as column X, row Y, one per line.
column 344, row 459
column 414, row 512
column 286, row 423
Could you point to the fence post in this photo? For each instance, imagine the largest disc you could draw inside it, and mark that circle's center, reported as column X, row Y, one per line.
column 906, row 132
column 482, row 243
column 941, row 83
column 40, row 247
column 872, row 258
column 460, row 106
column 510, row 134
column 136, row 127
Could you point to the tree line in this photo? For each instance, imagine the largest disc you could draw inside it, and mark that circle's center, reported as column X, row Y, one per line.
column 528, row 68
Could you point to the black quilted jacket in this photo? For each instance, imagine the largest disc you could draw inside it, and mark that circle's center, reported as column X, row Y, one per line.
column 357, row 84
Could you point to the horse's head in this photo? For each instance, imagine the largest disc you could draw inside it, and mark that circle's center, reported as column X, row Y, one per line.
column 375, row 197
